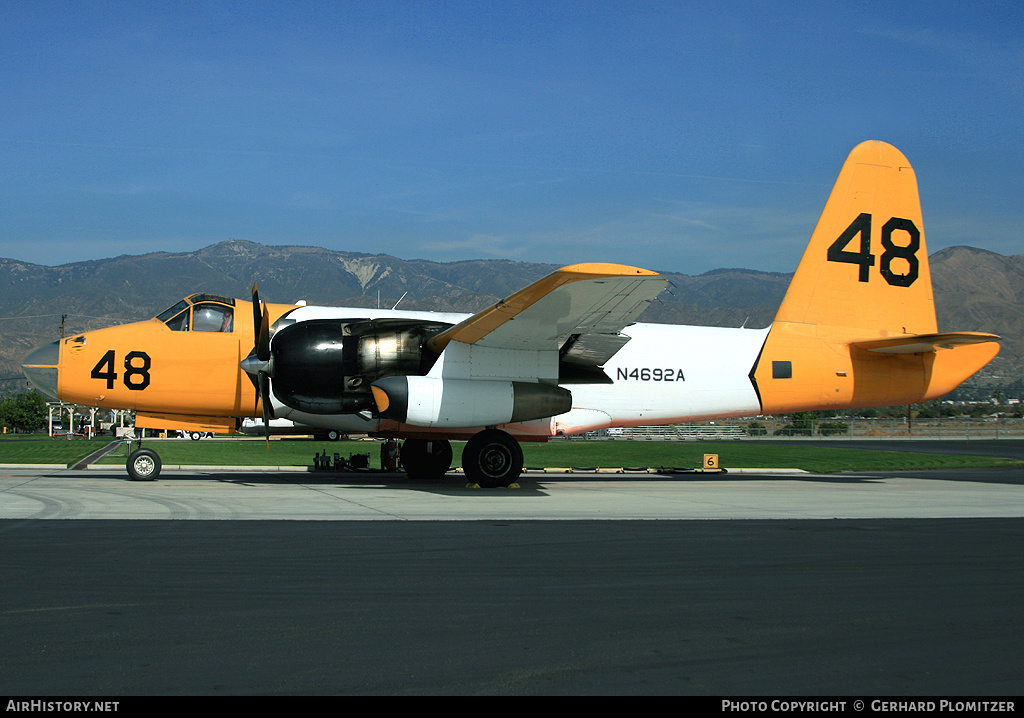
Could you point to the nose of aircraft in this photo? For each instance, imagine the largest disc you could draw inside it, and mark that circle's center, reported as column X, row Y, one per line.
column 41, row 369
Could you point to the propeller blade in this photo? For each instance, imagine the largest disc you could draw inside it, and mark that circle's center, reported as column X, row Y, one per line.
column 256, row 318
column 260, row 326
column 264, row 390
column 255, row 385
column 263, row 337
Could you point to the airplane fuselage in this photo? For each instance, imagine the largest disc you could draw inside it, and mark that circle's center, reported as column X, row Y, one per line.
column 663, row 374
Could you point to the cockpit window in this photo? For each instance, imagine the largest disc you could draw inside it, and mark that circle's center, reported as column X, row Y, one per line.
column 209, row 317
column 179, row 323
column 168, row 313
column 207, row 297
column 201, row 317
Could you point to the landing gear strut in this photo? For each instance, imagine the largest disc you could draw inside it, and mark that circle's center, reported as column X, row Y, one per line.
column 492, row 458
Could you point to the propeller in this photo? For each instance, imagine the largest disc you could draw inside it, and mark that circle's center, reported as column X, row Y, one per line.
column 259, row 363
column 261, row 326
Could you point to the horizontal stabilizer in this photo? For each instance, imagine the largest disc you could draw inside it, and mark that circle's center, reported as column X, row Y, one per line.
column 923, row 343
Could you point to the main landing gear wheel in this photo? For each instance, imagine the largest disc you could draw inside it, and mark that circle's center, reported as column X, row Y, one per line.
column 426, row 459
column 492, row 458
column 143, row 465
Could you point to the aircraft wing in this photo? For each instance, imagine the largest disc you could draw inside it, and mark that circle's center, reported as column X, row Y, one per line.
column 502, row 365
column 575, row 301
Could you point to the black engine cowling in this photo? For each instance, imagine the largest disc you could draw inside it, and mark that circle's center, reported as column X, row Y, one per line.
column 326, row 366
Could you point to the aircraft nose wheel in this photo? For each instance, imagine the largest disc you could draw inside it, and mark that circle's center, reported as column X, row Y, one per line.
column 492, row 458
column 143, row 465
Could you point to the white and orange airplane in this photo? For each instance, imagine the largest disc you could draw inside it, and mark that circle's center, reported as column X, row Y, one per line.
column 564, row 356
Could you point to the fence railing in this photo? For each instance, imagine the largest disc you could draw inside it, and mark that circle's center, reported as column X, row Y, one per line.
column 782, row 428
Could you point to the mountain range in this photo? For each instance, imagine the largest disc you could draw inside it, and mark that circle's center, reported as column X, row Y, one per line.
column 975, row 290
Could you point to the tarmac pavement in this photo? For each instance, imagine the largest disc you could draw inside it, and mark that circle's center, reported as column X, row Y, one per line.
column 224, row 583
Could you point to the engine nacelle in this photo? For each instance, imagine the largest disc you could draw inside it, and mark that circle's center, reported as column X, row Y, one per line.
column 326, row 366
column 464, row 403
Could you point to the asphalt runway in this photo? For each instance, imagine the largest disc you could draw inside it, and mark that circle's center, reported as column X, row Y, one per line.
column 228, row 584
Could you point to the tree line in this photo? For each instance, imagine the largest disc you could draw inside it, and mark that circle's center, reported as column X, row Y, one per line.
column 23, row 412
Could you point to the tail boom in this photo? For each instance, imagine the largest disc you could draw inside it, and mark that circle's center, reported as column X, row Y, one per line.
column 842, row 375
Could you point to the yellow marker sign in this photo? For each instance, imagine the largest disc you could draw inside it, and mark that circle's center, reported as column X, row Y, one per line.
column 710, row 461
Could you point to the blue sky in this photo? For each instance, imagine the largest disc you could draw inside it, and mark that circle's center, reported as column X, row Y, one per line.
column 676, row 136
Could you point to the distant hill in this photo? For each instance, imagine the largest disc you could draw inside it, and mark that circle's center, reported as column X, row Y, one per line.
column 975, row 290
column 978, row 290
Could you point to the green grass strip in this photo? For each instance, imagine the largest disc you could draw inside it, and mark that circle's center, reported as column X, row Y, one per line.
column 577, row 454
column 35, row 450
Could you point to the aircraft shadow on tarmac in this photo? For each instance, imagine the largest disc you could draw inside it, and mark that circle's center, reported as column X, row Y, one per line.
column 529, row 483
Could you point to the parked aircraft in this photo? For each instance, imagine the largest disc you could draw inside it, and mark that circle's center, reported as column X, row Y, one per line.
column 563, row 356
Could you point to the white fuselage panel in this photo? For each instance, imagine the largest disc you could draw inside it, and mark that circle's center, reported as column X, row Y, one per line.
column 665, row 374
column 668, row 374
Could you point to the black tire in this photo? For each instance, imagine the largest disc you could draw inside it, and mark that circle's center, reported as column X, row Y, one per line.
column 423, row 459
column 333, row 435
column 143, row 465
column 492, row 458
column 195, row 436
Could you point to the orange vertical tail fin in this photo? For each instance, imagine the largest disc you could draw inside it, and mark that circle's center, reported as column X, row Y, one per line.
column 857, row 326
column 866, row 265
